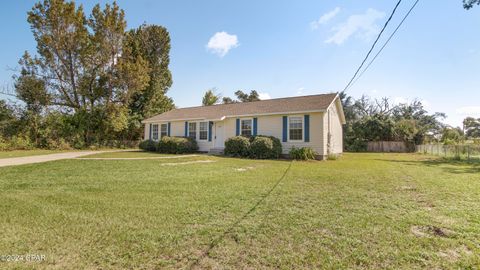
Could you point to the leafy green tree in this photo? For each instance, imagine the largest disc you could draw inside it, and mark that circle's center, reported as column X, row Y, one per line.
column 210, row 98
column 468, row 4
column 244, row 97
column 91, row 68
column 452, row 135
column 472, row 127
column 152, row 43
column 227, row 100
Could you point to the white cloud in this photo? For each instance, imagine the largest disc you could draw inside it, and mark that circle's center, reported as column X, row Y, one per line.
column 363, row 25
column 325, row 18
column 263, row 96
column 400, row 100
column 469, row 111
column 222, row 42
column 300, row 91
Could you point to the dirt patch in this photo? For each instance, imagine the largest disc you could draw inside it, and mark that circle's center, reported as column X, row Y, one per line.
column 431, row 231
column 244, row 169
column 187, row 162
column 407, row 188
column 454, row 254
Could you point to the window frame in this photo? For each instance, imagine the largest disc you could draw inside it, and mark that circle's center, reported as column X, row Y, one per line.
column 200, row 130
column 155, row 132
column 251, row 127
column 190, row 130
column 303, row 128
column 161, row 130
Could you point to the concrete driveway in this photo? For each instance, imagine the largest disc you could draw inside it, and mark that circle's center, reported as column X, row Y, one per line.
column 44, row 158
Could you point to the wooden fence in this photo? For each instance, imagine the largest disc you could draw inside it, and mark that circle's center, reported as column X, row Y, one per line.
column 387, row 146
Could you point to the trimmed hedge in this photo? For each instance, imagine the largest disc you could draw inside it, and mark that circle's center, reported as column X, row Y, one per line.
column 265, row 147
column 177, row 145
column 261, row 147
column 304, row 153
column 148, row 145
column 237, row 146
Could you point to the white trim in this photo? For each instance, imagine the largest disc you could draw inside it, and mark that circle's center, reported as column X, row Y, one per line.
column 160, row 130
column 188, row 129
column 158, row 133
column 199, row 139
column 251, row 130
column 303, row 128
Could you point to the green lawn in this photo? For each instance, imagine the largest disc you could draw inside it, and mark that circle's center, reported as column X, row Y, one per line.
column 362, row 211
column 130, row 154
column 24, row 153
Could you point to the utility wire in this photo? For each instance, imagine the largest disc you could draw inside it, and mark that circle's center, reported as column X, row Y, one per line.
column 386, row 42
column 373, row 45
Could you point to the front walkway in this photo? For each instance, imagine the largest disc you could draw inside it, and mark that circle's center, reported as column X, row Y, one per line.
column 44, row 158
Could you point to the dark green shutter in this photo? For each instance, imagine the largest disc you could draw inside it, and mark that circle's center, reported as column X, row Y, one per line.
column 285, row 131
column 306, row 122
column 168, row 129
column 150, row 132
column 255, row 126
column 186, row 129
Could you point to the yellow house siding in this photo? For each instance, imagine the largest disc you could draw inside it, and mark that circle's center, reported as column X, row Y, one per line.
column 177, row 129
column 272, row 125
column 334, row 129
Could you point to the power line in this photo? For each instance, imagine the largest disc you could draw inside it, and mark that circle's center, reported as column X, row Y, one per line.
column 373, row 45
column 386, row 42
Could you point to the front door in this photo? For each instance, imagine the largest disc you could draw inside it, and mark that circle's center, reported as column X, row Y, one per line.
column 219, row 139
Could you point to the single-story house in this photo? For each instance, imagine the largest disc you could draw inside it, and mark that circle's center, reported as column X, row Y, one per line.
column 313, row 121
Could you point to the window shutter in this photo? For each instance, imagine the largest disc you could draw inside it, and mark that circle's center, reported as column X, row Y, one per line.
column 237, row 131
column 210, row 124
column 168, row 129
column 306, row 122
column 285, row 126
column 186, row 129
column 255, row 126
column 150, row 132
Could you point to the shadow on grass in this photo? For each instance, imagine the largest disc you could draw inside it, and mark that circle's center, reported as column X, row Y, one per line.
column 449, row 165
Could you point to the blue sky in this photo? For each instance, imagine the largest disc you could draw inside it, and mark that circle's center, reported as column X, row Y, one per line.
column 287, row 48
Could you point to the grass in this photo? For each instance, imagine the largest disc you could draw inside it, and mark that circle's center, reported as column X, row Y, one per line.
column 129, row 154
column 24, row 153
column 361, row 211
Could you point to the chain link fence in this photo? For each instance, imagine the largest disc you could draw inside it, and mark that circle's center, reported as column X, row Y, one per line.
column 465, row 152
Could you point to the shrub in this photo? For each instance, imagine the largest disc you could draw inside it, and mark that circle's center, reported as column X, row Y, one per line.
column 4, row 146
column 177, row 145
column 332, row 157
column 265, row 147
column 21, row 143
column 304, row 153
column 148, row 145
column 237, row 146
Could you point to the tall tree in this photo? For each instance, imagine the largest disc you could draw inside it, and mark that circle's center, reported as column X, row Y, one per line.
column 471, row 127
column 82, row 65
column 210, row 98
column 152, row 43
column 244, row 97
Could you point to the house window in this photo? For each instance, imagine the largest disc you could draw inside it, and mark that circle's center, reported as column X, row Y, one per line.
column 246, row 127
column 295, row 128
column 203, row 131
column 155, row 132
column 192, row 130
column 163, row 130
